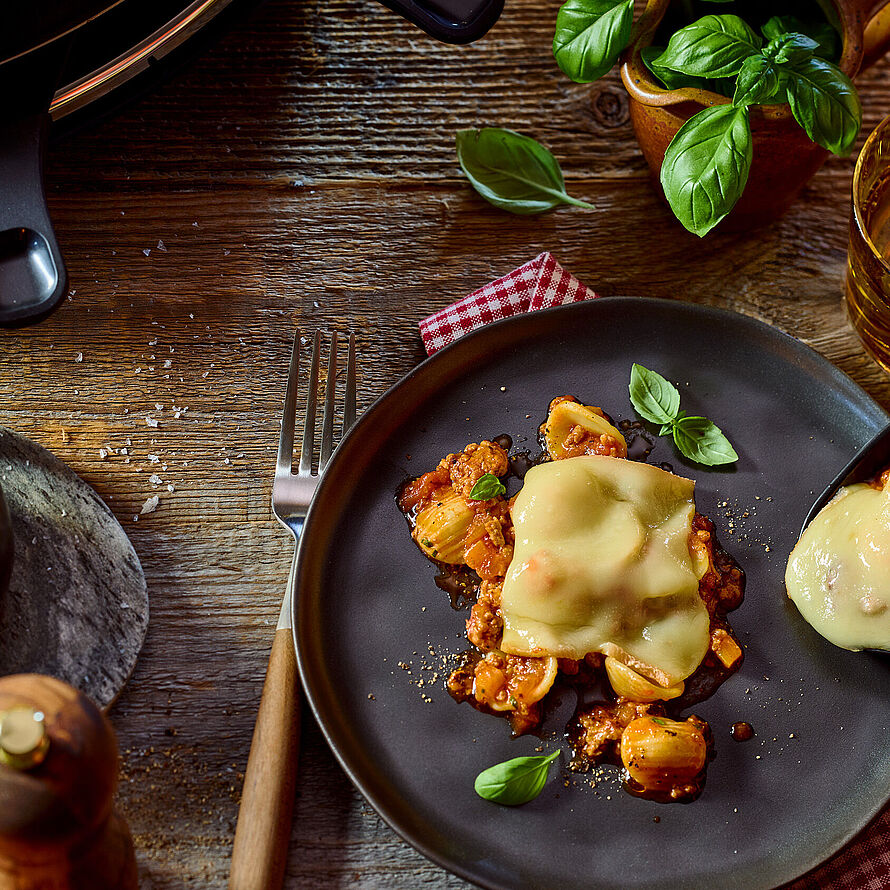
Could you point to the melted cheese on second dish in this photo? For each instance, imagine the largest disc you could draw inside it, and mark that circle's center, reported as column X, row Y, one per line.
column 602, row 563
column 838, row 575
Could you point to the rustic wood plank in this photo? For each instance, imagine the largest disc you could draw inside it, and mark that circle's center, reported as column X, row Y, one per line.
column 303, row 172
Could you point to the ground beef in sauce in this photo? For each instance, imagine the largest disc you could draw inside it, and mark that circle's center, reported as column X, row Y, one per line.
column 602, row 725
column 470, row 465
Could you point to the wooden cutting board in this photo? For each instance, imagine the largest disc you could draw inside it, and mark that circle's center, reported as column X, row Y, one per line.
column 77, row 605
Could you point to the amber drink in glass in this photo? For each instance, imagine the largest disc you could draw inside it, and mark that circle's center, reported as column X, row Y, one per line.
column 868, row 259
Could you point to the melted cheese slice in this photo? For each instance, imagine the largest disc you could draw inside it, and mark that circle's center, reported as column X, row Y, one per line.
column 838, row 575
column 602, row 564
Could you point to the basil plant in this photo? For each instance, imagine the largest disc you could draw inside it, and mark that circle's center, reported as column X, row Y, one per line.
column 707, row 162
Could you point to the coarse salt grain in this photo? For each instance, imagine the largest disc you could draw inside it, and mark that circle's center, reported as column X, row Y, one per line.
column 151, row 421
column 150, row 505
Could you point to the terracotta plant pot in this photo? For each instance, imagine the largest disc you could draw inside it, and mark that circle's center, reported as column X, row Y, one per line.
column 784, row 157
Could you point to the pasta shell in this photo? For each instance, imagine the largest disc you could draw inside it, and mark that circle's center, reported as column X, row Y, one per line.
column 566, row 415
column 440, row 528
column 661, row 754
column 629, row 684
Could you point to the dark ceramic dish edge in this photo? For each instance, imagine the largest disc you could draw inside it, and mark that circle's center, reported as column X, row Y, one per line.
column 396, row 815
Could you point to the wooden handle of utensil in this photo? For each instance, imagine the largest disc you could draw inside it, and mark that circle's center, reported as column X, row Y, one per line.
column 259, row 854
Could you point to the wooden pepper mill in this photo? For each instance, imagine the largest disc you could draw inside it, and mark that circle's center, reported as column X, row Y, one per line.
column 58, row 772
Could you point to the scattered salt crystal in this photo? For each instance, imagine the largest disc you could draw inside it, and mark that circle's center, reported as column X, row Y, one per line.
column 153, row 342
column 205, row 373
column 155, row 479
column 146, row 251
column 226, row 461
column 153, row 458
column 79, row 357
column 122, row 451
column 161, row 246
column 159, row 406
column 150, row 505
column 102, row 454
column 226, row 251
column 151, row 421
column 167, row 362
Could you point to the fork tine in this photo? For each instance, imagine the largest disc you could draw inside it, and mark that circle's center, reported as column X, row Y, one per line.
column 286, row 439
column 309, row 424
column 330, row 391
column 349, row 405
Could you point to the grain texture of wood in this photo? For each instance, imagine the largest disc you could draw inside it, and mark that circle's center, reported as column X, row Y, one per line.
column 259, row 853
column 303, row 171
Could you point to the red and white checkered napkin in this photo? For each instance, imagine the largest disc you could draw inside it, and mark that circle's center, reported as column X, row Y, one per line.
column 864, row 864
column 538, row 284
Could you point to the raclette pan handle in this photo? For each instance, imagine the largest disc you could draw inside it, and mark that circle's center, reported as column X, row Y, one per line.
column 33, row 279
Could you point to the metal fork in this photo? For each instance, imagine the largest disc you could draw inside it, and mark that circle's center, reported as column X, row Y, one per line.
column 259, row 854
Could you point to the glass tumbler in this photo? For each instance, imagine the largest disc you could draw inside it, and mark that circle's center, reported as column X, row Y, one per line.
column 868, row 258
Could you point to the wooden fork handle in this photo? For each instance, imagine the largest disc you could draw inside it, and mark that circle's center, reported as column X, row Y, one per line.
column 259, row 854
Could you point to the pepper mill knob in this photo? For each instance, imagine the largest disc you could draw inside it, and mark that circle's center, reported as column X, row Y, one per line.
column 23, row 738
column 58, row 773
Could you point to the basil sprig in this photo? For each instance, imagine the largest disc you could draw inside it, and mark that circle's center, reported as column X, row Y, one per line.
column 515, row 781
column 658, row 401
column 825, row 36
column 487, row 486
column 512, row 171
column 590, row 35
column 707, row 163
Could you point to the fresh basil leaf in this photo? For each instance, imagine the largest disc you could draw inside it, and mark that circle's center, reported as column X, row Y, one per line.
column 674, row 80
column 790, row 48
column 827, row 39
column 666, row 429
column 590, row 35
column 824, row 102
column 714, row 46
column 701, row 440
column 654, row 398
column 512, row 171
column 758, row 81
column 515, row 781
column 706, row 166
column 487, row 486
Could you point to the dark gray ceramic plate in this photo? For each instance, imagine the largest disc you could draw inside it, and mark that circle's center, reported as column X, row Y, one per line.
column 373, row 630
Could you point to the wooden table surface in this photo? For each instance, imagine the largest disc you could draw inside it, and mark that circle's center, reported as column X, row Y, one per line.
column 303, row 171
